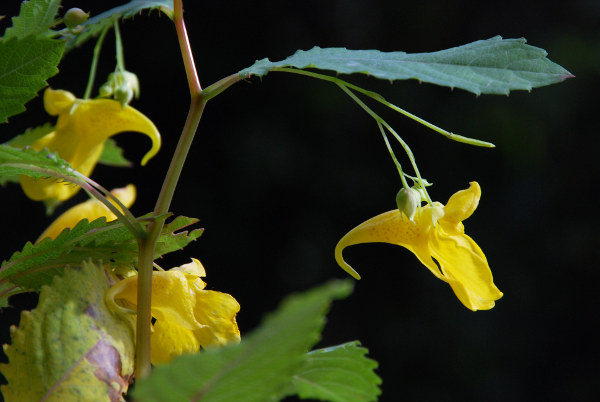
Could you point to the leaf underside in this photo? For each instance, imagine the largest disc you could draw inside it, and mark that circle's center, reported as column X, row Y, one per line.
column 36, row 164
column 492, row 66
column 96, row 24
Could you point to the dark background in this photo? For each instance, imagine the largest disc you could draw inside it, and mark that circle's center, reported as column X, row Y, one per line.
column 282, row 167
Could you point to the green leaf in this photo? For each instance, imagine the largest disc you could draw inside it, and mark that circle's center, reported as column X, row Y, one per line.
column 96, row 24
column 258, row 369
column 30, row 136
column 112, row 155
column 492, row 66
column 71, row 347
column 36, row 164
column 25, row 65
column 96, row 241
column 340, row 373
column 35, row 17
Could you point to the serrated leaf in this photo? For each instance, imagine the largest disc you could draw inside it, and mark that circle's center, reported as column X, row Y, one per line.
column 36, row 164
column 112, row 155
column 96, row 24
column 96, row 241
column 71, row 347
column 258, row 369
column 340, row 373
column 25, row 65
column 30, row 136
column 35, row 17
column 492, row 66
column 23, row 140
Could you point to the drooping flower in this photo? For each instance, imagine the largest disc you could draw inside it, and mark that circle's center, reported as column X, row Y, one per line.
column 82, row 128
column 91, row 209
column 437, row 232
column 188, row 317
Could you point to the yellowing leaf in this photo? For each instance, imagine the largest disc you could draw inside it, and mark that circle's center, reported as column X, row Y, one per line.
column 70, row 348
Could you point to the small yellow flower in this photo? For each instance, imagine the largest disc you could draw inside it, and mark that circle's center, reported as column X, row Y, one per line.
column 91, row 209
column 187, row 316
column 82, row 127
column 436, row 232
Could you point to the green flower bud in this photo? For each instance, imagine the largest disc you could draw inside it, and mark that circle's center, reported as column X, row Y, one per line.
column 74, row 17
column 408, row 200
column 124, row 94
column 105, row 91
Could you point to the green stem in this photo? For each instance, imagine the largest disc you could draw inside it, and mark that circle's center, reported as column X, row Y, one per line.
column 393, row 155
column 215, row 89
column 119, row 47
column 379, row 120
column 94, row 67
column 381, row 99
column 163, row 203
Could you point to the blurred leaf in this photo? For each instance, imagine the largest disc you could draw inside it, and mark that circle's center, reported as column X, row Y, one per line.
column 70, row 347
column 492, row 66
column 96, row 24
column 112, row 155
column 96, row 241
column 25, row 65
column 30, row 136
column 340, row 373
column 36, row 164
column 35, row 17
column 258, row 369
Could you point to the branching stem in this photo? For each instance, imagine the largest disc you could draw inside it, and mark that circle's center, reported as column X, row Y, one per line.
column 163, row 203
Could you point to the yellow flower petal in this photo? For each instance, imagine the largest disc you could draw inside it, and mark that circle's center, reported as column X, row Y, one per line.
column 466, row 268
column 171, row 297
column 437, row 233
column 170, row 340
column 461, row 205
column 188, row 317
column 91, row 209
column 216, row 310
column 391, row 227
column 81, row 130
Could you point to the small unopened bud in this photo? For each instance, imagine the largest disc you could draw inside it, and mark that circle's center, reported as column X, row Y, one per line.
column 75, row 17
column 408, row 200
column 124, row 95
column 105, row 91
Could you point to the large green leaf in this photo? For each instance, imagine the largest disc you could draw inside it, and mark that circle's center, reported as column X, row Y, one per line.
column 260, row 368
column 35, row 17
column 71, row 347
column 340, row 373
column 492, row 66
column 98, row 241
column 96, row 24
column 25, row 65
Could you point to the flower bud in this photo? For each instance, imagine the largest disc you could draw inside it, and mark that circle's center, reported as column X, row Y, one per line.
column 408, row 200
column 124, row 95
column 74, row 17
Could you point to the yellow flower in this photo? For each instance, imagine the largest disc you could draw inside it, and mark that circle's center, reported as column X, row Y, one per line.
column 187, row 316
column 82, row 128
column 436, row 232
column 91, row 209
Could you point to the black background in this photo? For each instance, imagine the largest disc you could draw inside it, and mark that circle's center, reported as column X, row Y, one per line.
column 282, row 167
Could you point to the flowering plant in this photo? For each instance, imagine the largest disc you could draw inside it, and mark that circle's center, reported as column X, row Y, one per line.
column 107, row 312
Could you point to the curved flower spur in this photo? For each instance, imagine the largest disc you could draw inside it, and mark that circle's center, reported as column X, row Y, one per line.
column 82, row 128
